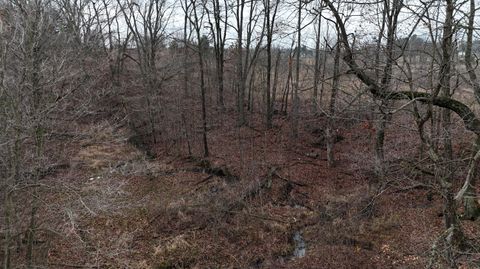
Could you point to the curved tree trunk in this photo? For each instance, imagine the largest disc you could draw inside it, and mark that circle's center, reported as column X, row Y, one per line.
column 470, row 198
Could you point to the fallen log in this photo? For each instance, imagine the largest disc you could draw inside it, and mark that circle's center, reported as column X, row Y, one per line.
column 251, row 192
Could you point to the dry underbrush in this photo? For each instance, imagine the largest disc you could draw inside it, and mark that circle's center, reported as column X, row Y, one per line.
column 116, row 208
column 107, row 148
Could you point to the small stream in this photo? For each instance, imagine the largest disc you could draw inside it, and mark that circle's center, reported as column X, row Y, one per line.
column 300, row 245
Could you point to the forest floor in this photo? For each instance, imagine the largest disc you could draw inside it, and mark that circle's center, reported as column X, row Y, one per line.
column 262, row 200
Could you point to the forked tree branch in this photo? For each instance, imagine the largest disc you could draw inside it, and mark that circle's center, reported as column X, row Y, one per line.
column 471, row 122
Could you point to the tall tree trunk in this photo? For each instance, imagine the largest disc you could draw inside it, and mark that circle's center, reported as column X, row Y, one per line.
column 185, row 50
column 203, row 89
column 468, row 192
column 204, row 109
column 270, row 24
column 379, row 157
column 268, row 106
column 390, row 17
column 379, row 147
column 324, row 68
column 275, row 81
column 286, row 91
column 34, row 76
column 8, row 232
column 251, row 93
column 240, row 74
column 470, row 202
column 31, row 230
column 446, row 175
column 316, row 75
column 330, row 130
column 296, row 98
column 220, row 78
column 219, row 36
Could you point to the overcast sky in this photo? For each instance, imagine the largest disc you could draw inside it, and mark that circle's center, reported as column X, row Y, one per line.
column 363, row 22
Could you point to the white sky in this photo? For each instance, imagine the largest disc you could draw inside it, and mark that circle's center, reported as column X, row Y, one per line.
column 363, row 22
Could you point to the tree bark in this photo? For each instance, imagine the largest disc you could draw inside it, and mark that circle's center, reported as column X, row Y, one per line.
column 330, row 132
column 200, row 52
column 296, row 98
column 471, row 122
column 316, row 76
column 468, row 192
column 8, row 227
column 240, row 74
column 470, row 201
column 185, row 49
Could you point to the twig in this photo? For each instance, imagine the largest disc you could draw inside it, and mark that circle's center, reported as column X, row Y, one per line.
column 67, row 265
column 204, row 180
column 288, row 180
column 416, row 186
column 257, row 216
column 273, row 172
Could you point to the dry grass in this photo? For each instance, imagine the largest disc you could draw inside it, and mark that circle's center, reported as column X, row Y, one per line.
column 106, row 148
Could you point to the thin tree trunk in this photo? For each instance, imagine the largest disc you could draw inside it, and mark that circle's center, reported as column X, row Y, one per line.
column 296, row 100
column 286, row 92
column 251, row 92
column 36, row 88
column 275, row 81
column 381, row 124
column 330, row 130
column 31, row 230
column 324, row 66
column 203, row 88
column 316, row 76
column 8, row 227
column 268, row 115
column 390, row 17
column 185, row 50
column 240, row 74
column 219, row 46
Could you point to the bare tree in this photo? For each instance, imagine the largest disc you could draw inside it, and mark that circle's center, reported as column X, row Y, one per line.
column 330, row 133
column 218, row 29
column 270, row 24
column 317, row 66
column 197, row 24
column 148, row 23
column 296, row 89
column 34, row 64
column 247, row 47
column 114, row 45
column 390, row 14
column 470, row 202
column 239, row 7
column 439, row 97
